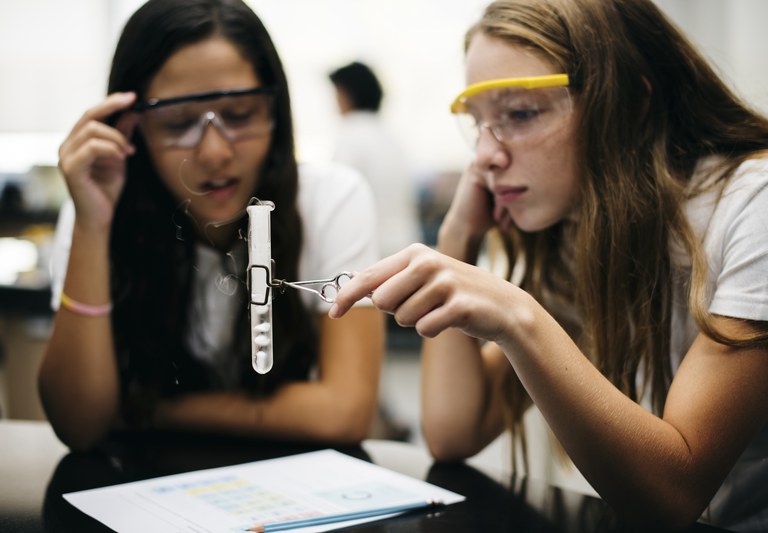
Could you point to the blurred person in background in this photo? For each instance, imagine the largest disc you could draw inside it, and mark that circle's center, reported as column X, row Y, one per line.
column 364, row 143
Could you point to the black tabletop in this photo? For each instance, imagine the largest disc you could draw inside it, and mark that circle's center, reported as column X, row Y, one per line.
column 35, row 470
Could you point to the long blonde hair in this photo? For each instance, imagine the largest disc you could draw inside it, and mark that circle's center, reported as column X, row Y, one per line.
column 650, row 109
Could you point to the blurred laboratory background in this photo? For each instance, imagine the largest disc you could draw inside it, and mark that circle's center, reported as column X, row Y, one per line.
column 54, row 59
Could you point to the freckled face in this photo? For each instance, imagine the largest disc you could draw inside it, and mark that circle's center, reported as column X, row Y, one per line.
column 218, row 176
column 534, row 180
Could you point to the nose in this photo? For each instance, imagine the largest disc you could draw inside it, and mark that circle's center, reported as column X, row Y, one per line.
column 490, row 153
column 214, row 145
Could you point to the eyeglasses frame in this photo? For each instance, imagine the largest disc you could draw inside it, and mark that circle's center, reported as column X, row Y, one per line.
column 157, row 103
column 154, row 103
column 535, row 82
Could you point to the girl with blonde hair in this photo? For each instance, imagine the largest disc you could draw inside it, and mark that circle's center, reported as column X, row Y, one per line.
column 629, row 187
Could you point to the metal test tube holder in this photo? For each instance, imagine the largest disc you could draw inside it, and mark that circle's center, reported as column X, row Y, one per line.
column 259, row 282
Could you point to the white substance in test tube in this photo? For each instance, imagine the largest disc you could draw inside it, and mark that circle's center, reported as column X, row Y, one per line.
column 260, row 256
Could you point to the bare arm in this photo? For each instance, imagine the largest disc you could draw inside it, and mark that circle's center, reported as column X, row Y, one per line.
column 461, row 402
column 338, row 407
column 459, row 425
column 657, row 470
column 661, row 471
column 78, row 376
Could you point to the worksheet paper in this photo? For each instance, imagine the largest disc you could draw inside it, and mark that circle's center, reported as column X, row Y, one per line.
column 233, row 499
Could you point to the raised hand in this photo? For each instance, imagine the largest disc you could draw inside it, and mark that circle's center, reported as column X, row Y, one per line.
column 92, row 159
column 469, row 217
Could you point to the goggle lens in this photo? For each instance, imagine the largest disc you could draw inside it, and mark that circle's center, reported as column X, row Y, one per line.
column 181, row 123
column 514, row 113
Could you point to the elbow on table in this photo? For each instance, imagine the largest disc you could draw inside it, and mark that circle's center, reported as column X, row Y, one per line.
column 451, row 438
column 78, row 439
column 447, row 447
column 663, row 513
column 349, row 425
column 665, row 520
column 446, row 452
column 76, row 428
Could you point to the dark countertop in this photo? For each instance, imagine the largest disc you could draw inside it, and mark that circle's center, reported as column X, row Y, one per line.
column 36, row 469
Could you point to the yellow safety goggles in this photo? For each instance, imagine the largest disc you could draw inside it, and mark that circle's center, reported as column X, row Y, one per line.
column 535, row 82
column 513, row 108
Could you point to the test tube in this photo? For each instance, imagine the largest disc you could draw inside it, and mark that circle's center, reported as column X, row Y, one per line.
column 260, row 276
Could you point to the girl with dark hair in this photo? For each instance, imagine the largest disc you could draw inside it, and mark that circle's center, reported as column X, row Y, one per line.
column 629, row 189
column 153, row 329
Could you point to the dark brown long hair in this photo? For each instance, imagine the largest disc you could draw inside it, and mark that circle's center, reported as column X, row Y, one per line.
column 153, row 241
column 650, row 108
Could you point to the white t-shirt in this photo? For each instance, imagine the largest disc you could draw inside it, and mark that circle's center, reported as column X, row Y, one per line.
column 734, row 230
column 338, row 219
column 734, row 233
column 365, row 144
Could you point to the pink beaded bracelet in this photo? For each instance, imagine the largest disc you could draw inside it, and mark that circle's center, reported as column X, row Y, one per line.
column 85, row 309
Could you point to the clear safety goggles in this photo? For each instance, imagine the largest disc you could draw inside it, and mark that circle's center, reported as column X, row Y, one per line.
column 180, row 122
column 513, row 108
